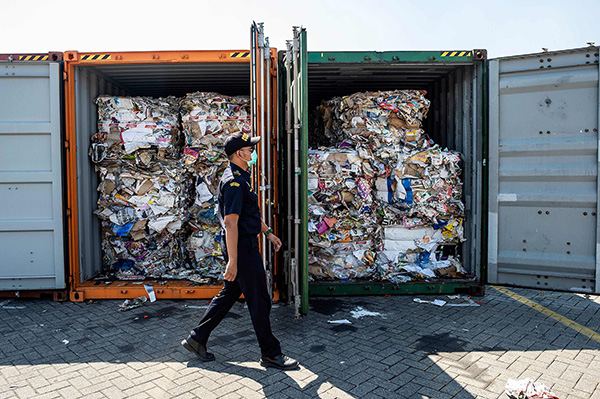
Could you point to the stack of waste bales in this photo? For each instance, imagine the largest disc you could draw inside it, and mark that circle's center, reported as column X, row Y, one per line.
column 383, row 198
column 142, row 197
column 159, row 162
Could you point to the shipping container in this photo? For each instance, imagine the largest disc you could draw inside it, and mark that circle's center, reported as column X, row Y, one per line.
column 455, row 83
column 155, row 74
column 525, row 180
column 32, row 251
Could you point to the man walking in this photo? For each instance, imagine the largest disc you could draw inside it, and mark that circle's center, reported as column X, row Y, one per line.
column 239, row 215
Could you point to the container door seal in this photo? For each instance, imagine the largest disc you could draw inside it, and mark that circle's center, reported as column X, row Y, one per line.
column 31, row 200
column 544, row 170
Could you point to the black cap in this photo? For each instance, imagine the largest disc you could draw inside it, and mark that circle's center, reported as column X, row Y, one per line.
column 237, row 141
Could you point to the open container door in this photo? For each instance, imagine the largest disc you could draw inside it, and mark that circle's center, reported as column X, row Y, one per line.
column 543, row 172
column 31, row 202
column 295, row 179
column 262, row 83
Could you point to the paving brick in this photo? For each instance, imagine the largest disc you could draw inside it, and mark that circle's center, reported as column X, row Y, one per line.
column 587, row 384
column 409, row 389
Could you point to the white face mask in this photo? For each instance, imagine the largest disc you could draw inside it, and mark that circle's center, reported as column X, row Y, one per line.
column 253, row 158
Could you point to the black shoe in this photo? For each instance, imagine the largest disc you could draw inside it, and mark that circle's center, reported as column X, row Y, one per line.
column 198, row 348
column 279, row 362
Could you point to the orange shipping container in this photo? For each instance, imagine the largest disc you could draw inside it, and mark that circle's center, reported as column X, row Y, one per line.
column 155, row 74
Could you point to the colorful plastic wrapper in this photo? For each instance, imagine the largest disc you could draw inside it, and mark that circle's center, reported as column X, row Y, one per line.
column 381, row 182
column 528, row 389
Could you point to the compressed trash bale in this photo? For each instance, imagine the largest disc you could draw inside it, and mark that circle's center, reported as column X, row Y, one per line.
column 136, row 129
column 387, row 118
column 208, row 118
column 142, row 215
column 147, row 190
column 342, row 224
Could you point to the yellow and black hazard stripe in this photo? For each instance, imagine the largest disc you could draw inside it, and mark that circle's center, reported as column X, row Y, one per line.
column 94, row 57
column 244, row 54
column 33, row 57
column 456, row 53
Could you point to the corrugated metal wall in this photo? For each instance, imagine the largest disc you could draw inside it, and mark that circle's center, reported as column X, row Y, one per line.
column 90, row 84
column 544, row 170
column 31, row 205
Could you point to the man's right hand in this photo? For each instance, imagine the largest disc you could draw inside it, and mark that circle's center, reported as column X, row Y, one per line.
column 230, row 271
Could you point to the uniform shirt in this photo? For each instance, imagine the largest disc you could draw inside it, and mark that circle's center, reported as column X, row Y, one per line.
column 236, row 197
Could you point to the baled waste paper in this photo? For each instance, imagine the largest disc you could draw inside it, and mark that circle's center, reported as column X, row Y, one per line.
column 159, row 162
column 383, row 198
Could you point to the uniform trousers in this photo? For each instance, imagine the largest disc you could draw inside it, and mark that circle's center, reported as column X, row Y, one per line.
column 251, row 282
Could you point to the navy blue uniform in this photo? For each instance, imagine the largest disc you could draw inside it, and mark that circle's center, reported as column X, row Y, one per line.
column 236, row 197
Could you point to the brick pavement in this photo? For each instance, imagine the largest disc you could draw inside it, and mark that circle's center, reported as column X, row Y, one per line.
column 69, row 350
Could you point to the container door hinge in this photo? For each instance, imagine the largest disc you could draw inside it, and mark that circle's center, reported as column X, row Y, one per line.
column 65, row 76
column 68, row 212
column 67, row 145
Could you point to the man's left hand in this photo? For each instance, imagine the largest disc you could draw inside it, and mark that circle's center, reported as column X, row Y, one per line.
column 275, row 241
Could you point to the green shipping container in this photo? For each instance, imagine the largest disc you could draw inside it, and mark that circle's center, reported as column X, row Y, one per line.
column 455, row 81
